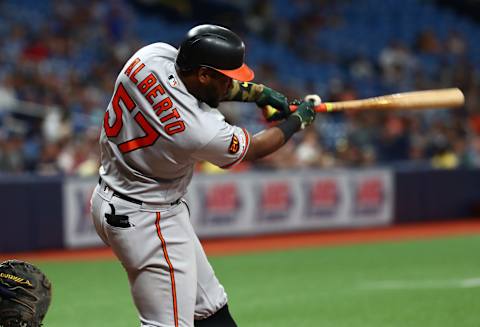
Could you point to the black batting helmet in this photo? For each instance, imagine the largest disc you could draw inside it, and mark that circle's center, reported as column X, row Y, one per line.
column 215, row 47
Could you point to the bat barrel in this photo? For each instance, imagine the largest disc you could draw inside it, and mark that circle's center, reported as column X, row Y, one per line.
column 429, row 99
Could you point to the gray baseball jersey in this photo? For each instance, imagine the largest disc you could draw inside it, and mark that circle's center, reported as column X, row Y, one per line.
column 153, row 133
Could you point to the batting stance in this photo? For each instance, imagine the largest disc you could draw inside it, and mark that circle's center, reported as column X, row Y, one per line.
column 158, row 123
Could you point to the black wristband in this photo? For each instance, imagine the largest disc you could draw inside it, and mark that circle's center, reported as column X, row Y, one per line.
column 290, row 126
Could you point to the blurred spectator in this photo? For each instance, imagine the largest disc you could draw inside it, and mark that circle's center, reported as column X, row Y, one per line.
column 308, row 152
column 80, row 155
column 397, row 64
column 48, row 161
column 456, row 44
column 417, row 140
column 427, row 42
column 474, row 151
column 445, row 158
column 261, row 21
column 362, row 68
column 53, row 128
column 393, row 143
column 7, row 95
column 11, row 154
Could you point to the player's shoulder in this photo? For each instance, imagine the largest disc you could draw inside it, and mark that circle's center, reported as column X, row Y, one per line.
column 153, row 58
column 201, row 126
column 157, row 50
column 208, row 124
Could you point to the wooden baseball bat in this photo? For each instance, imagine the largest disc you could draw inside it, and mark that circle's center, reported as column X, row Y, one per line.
column 428, row 99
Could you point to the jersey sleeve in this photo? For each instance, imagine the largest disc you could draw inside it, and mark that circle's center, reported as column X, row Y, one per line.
column 227, row 148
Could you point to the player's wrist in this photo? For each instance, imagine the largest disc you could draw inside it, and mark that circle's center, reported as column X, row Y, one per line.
column 290, row 126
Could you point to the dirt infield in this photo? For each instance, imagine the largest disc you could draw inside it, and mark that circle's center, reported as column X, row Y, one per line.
column 284, row 241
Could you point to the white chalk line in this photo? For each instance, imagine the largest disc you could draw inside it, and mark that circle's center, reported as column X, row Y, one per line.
column 421, row 284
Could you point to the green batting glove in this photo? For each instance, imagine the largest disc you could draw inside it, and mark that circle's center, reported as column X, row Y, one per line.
column 305, row 112
column 274, row 104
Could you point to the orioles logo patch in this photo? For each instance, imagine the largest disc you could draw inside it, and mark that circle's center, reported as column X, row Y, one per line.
column 234, row 145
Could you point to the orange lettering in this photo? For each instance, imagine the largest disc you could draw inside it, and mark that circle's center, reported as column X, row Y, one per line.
column 153, row 93
column 132, row 77
column 163, row 105
column 175, row 127
column 147, row 83
column 173, row 114
column 133, row 64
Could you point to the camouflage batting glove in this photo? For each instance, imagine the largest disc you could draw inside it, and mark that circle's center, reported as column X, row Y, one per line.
column 274, row 105
column 305, row 112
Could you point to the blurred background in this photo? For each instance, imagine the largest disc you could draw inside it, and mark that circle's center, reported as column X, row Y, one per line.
column 59, row 61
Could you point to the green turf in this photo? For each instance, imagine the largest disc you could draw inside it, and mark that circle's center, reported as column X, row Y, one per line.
column 309, row 287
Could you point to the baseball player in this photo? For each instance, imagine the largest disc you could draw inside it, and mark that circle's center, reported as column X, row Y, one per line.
column 158, row 124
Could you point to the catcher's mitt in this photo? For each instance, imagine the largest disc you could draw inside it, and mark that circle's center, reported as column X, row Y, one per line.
column 25, row 294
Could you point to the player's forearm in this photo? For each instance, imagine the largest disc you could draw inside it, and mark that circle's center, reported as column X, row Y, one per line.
column 271, row 139
column 245, row 92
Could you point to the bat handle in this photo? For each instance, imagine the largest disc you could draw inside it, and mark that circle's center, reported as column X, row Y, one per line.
column 322, row 107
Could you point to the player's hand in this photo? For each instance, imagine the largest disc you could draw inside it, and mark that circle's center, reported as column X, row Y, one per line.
column 274, row 104
column 305, row 112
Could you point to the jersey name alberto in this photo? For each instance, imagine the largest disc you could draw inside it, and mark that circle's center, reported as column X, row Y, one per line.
column 154, row 130
column 154, row 93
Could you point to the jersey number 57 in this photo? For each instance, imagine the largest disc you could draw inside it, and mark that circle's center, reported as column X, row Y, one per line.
column 151, row 135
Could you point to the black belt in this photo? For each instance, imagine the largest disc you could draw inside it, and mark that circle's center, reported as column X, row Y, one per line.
column 129, row 199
